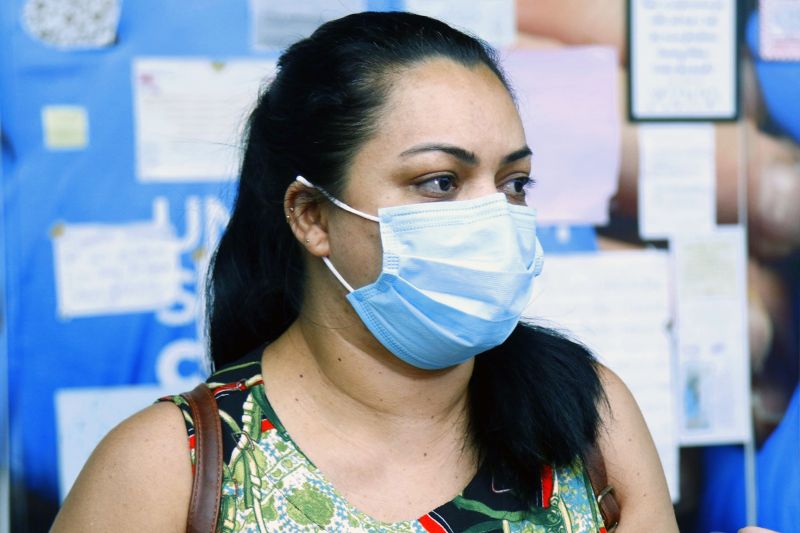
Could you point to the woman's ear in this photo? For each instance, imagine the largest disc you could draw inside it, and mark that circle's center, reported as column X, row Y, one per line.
column 306, row 217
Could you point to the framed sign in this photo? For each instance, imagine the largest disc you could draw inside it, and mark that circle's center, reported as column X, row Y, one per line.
column 683, row 60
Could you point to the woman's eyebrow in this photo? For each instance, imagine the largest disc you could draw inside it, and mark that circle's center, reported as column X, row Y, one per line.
column 459, row 153
column 516, row 155
column 462, row 154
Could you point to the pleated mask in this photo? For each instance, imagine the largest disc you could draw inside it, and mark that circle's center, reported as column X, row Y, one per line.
column 455, row 280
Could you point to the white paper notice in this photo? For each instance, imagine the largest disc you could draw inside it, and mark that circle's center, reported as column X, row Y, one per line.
column 111, row 269
column 276, row 24
column 568, row 102
column 190, row 115
column 617, row 304
column 677, row 183
column 710, row 279
column 779, row 31
column 494, row 21
column 84, row 416
column 683, row 59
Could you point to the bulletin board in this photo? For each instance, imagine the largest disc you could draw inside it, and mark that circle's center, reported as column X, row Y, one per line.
column 75, row 180
column 117, row 184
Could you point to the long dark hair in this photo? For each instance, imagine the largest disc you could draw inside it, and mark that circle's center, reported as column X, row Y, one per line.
column 533, row 399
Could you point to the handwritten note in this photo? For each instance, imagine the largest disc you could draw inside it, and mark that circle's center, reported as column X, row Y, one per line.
column 110, row 269
column 683, row 59
column 494, row 21
column 190, row 115
column 780, row 30
column 567, row 100
column 710, row 280
column 276, row 24
column 85, row 415
column 617, row 304
column 677, row 179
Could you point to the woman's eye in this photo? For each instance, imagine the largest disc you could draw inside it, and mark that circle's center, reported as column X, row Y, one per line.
column 517, row 186
column 438, row 185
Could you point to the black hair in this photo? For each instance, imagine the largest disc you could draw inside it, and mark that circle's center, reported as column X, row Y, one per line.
column 533, row 399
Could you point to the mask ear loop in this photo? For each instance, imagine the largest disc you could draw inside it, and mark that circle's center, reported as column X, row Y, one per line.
column 336, row 201
column 336, row 273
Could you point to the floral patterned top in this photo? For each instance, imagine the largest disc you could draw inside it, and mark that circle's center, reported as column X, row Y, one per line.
column 270, row 485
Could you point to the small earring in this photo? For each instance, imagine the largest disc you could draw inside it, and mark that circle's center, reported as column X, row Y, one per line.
column 308, row 242
column 291, row 209
column 288, row 218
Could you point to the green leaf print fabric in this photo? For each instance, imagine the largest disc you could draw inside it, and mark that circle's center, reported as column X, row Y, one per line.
column 269, row 485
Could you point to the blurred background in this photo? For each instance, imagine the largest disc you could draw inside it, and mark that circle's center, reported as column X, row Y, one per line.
column 665, row 137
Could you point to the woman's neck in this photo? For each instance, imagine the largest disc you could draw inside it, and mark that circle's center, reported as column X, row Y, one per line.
column 371, row 395
column 392, row 439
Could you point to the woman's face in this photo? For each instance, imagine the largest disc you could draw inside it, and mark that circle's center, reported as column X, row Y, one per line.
column 447, row 132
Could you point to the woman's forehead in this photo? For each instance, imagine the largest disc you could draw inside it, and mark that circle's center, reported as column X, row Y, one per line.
column 440, row 100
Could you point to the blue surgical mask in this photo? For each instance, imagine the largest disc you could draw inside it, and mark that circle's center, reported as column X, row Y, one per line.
column 456, row 277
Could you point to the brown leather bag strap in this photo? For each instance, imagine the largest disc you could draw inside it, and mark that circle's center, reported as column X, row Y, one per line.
column 207, row 482
column 596, row 468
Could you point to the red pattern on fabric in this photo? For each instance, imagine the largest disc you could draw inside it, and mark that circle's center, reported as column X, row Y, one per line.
column 430, row 525
column 227, row 387
column 192, row 444
column 266, row 425
column 240, row 385
column 547, row 485
column 602, row 529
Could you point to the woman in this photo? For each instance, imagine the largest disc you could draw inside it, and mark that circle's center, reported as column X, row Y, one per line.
column 368, row 291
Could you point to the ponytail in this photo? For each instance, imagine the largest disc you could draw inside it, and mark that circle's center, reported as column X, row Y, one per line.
column 254, row 290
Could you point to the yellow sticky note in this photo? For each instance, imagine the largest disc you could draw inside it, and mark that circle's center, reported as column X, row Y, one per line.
column 65, row 127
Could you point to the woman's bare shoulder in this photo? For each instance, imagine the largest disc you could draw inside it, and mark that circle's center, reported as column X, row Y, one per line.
column 632, row 463
column 139, row 478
